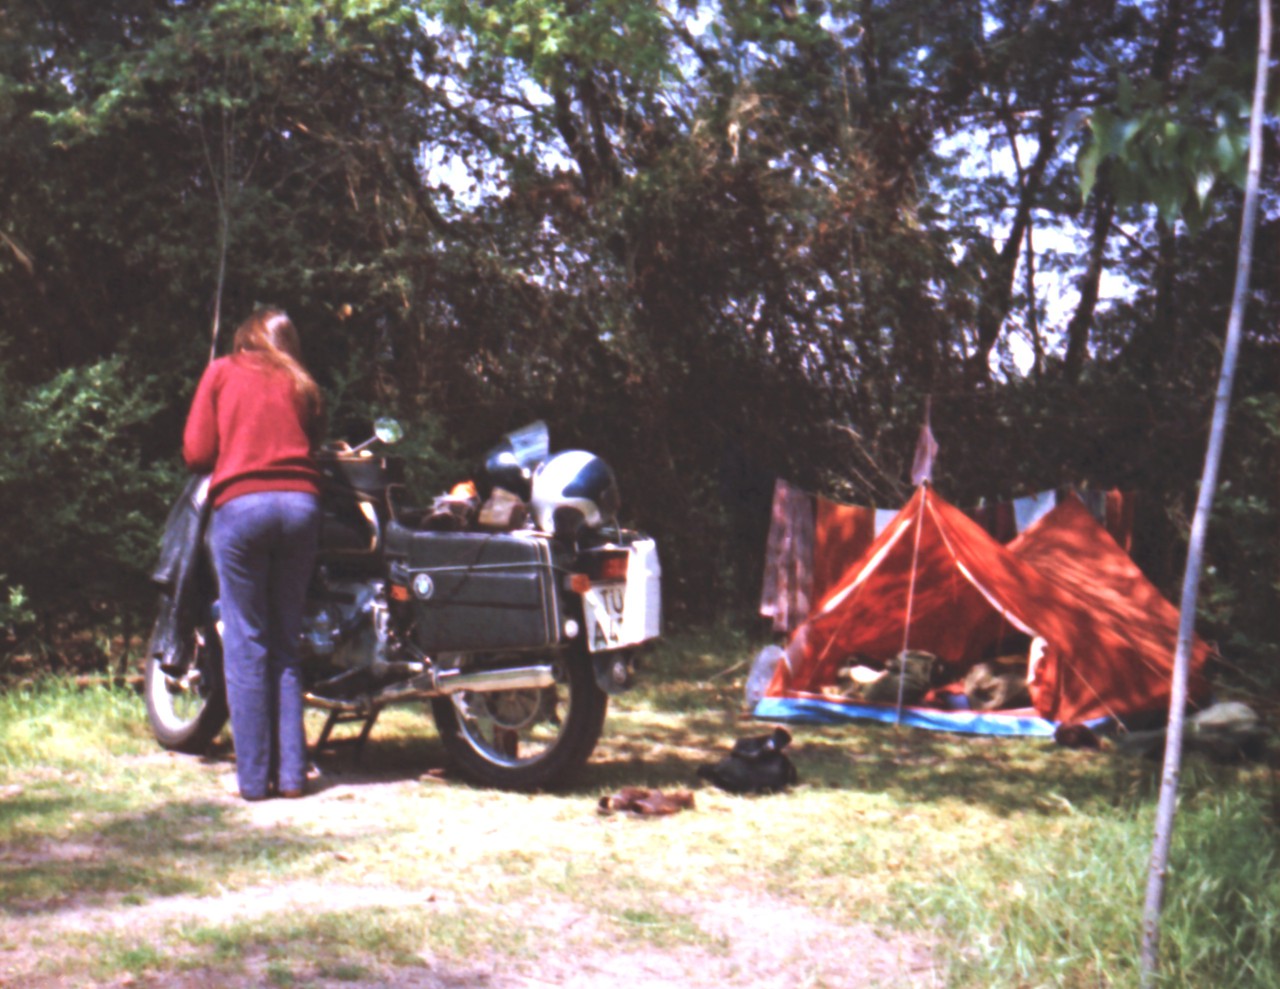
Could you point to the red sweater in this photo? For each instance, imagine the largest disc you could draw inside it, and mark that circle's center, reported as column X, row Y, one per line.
column 246, row 428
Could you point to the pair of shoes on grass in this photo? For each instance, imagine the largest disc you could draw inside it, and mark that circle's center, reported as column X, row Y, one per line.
column 291, row 794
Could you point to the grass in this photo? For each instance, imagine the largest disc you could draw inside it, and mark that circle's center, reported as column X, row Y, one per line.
column 1019, row 863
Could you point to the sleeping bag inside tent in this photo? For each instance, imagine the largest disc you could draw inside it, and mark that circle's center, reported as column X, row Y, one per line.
column 938, row 625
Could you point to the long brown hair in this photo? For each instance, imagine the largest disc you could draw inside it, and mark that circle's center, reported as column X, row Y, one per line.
column 270, row 335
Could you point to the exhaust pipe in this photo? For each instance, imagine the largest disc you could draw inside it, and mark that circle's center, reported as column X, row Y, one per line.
column 438, row 683
column 511, row 678
column 333, row 704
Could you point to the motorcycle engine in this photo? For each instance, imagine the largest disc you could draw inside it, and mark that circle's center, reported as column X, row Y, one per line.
column 338, row 624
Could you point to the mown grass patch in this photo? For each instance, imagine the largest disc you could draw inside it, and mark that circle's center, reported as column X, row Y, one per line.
column 56, row 725
column 286, row 948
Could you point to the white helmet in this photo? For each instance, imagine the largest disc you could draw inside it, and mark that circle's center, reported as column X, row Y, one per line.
column 571, row 490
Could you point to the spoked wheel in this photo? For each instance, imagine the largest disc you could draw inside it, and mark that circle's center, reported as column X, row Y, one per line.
column 525, row 739
column 187, row 706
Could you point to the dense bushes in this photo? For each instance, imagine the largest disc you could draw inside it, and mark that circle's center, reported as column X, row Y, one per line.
column 82, row 494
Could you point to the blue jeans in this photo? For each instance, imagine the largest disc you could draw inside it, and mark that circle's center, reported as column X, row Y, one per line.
column 264, row 546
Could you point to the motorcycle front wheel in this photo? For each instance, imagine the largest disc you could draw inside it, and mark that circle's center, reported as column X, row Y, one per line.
column 187, row 704
column 524, row 739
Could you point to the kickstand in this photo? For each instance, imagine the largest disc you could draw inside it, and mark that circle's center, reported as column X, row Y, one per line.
column 327, row 743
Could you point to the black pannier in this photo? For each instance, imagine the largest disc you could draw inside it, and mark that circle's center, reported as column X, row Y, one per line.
column 477, row 591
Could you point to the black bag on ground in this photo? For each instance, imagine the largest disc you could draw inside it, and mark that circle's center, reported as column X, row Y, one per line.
column 754, row 765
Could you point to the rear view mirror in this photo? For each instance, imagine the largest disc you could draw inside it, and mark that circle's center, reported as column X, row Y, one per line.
column 388, row 431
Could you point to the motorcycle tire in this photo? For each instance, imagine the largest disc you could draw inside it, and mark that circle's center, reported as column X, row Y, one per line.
column 525, row 739
column 187, row 709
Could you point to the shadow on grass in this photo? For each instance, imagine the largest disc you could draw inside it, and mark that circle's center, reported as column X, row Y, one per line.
column 403, row 751
column 66, row 847
column 664, row 750
column 1006, row 776
column 52, row 863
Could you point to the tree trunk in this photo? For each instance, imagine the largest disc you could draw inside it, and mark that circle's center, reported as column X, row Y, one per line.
column 997, row 290
column 1082, row 318
column 870, row 55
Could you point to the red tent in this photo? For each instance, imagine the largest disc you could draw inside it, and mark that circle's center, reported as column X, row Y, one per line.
column 1070, row 548
column 935, row 581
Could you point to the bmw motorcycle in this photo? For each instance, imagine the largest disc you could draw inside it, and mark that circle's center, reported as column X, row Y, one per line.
column 515, row 605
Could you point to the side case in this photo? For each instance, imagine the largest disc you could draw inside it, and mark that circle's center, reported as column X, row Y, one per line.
column 478, row 592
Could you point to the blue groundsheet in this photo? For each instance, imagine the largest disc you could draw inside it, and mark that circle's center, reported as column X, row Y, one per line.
column 826, row 711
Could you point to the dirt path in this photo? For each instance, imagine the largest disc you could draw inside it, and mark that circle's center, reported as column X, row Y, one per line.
column 765, row 945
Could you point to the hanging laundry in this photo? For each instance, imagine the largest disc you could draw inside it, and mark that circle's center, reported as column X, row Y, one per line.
column 1119, row 518
column 1114, row 511
column 1029, row 510
column 1006, row 523
column 997, row 518
column 813, row 540
column 985, row 515
column 883, row 517
column 1094, row 500
column 788, row 566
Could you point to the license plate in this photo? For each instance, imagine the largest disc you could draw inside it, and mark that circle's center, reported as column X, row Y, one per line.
column 627, row 612
column 605, row 606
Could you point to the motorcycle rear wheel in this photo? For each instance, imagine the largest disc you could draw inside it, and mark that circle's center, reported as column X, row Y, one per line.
column 525, row 739
column 187, row 711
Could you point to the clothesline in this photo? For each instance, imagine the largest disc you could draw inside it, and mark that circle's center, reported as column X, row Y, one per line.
column 812, row 540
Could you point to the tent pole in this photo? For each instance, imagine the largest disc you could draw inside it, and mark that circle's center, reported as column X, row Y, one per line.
column 911, row 594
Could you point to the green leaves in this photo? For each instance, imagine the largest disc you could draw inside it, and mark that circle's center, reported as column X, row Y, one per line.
column 79, row 505
column 543, row 39
column 1171, row 150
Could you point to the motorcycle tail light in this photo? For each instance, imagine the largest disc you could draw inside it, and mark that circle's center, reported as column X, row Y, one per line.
column 615, row 567
column 608, row 567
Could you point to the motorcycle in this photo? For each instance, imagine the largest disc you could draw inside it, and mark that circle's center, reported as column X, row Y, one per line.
column 515, row 606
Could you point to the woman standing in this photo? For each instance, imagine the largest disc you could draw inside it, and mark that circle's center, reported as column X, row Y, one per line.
column 255, row 418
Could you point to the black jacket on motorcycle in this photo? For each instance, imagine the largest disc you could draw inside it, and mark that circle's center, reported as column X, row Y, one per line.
column 179, row 551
